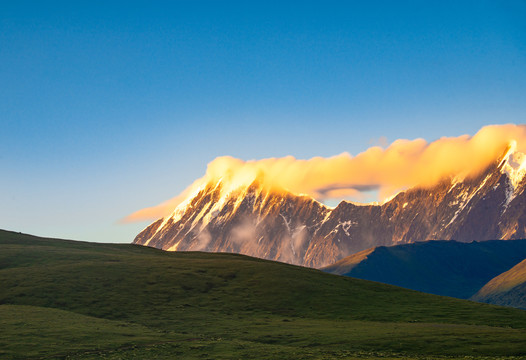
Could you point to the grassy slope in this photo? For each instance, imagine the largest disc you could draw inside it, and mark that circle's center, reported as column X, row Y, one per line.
column 29, row 331
column 148, row 303
column 509, row 288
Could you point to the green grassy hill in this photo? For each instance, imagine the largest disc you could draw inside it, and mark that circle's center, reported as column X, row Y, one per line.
column 68, row 299
column 509, row 288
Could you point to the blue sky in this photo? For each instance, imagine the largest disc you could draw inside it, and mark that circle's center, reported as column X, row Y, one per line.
column 108, row 108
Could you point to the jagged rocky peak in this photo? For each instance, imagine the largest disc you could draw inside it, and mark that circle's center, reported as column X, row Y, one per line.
column 247, row 213
column 217, row 193
column 253, row 217
column 513, row 164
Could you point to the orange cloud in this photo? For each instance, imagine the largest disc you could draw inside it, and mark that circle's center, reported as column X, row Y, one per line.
column 403, row 164
column 163, row 209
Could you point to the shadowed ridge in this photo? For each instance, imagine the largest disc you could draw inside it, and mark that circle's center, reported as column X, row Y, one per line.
column 448, row 268
column 345, row 265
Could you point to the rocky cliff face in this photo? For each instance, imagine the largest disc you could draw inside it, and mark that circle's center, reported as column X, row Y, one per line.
column 273, row 224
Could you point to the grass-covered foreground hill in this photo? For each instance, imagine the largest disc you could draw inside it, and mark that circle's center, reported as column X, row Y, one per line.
column 67, row 299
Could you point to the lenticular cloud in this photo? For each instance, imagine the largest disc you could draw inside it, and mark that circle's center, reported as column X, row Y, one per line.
column 403, row 164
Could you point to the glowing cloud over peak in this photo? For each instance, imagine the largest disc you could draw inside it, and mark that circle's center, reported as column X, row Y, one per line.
column 403, row 164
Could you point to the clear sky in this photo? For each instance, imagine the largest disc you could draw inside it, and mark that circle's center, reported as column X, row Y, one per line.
column 108, row 107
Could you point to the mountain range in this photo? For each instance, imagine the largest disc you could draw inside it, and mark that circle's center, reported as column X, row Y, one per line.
column 447, row 268
column 267, row 222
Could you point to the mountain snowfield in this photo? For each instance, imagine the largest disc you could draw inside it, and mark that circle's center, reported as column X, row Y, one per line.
column 256, row 219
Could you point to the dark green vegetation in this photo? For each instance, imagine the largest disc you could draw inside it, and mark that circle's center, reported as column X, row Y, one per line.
column 507, row 289
column 67, row 299
column 447, row 268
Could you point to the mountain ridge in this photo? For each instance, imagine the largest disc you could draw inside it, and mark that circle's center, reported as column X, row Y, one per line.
column 507, row 289
column 441, row 267
column 274, row 224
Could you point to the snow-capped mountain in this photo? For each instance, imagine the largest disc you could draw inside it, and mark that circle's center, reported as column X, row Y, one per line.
column 267, row 222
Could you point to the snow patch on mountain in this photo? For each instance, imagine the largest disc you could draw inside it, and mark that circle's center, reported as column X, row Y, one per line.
column 465, row 198
column 287, row 223
column 346, row 225
column 514, row 166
